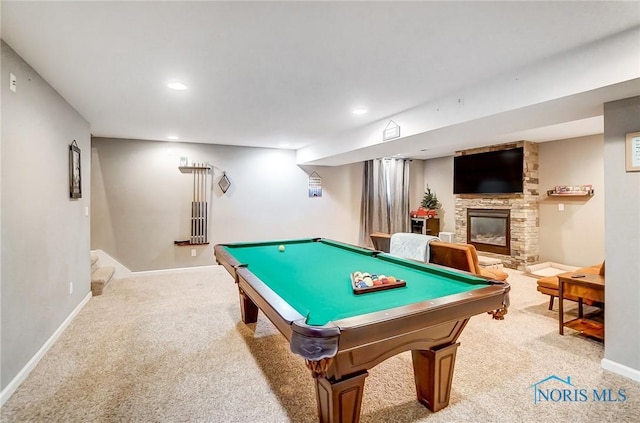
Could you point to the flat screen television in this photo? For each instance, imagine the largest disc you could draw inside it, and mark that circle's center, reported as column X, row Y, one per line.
column 493, row 172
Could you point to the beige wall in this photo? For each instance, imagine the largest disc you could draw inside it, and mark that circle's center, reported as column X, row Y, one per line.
column 438, row 175
column 142, row 201
column 575, row 235
column 45, row 234
column 416, row 186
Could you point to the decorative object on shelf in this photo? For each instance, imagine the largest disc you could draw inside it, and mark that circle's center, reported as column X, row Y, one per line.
column 75, row 173
column 423, row 213
column 633, row 152
column 428, row 205
column 224, row 183
column 571, row 190
column 430, row 200
column 184, row 161
column 391, row 131
column 315, row 185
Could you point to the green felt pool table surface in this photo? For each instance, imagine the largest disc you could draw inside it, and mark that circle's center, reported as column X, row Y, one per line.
column 313, row 277
column 306, row 292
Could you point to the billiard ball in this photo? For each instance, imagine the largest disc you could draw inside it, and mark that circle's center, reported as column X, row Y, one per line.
column 281, row 248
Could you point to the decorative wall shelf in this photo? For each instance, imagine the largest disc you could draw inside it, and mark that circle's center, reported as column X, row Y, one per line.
column 571, row 191
column 553, row 193
column 191, row 169
column 187, row 243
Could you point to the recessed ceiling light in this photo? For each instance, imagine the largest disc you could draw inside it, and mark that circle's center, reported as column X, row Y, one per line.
column 177, row 86
column 284, row 145
column 173, row 137
column 359, row 111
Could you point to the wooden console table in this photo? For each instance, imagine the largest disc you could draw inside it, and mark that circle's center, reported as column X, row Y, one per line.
column 589, row 287
column 425, row 226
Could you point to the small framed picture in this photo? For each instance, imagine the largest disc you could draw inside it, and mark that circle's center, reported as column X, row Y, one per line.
column 75, row 171
column 633, row 152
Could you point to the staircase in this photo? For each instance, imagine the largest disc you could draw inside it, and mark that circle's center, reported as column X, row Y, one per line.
column 100, row 276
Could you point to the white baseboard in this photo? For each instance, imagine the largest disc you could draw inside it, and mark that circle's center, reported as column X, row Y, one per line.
column 620, row 369
column 22, row 375
column 178, row 269
column 121, row 271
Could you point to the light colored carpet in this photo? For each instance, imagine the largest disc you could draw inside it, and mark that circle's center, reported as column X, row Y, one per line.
column 172, row 348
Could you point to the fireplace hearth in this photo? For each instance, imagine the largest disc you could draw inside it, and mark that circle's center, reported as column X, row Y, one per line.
column 489, row 230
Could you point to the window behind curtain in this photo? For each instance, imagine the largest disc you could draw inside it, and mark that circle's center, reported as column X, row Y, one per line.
column 385, row 198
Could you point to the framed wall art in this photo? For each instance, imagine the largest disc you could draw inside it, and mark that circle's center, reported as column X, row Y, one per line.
column 75, row 173
column 633, row 152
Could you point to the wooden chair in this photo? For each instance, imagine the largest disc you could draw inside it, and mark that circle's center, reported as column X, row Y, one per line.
column 462, row 257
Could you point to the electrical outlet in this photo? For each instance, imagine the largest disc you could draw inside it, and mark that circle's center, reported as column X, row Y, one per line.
column 193, row 252
column 13, row 82
column 561, row 207
column 70, row 287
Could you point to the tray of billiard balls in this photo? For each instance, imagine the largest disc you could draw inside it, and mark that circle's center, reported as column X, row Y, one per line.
column 363, row 282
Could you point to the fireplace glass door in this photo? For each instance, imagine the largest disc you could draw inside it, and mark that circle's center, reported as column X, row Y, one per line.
column 488, row 230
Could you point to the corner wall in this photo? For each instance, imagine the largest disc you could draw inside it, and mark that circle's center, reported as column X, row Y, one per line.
column 45, row 235
column 622, row 241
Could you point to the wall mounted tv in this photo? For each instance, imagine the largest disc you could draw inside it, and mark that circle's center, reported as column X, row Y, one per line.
column 493, row 172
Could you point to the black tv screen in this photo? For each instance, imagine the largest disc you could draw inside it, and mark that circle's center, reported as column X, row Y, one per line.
column 493, row 172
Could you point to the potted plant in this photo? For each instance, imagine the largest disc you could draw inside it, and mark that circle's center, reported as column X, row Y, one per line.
column 428, row 205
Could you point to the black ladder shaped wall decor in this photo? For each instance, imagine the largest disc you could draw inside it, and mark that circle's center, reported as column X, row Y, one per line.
column 199, row 204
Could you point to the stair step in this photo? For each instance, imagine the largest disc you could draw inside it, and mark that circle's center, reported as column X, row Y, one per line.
column 94, row 262
column 100, row 279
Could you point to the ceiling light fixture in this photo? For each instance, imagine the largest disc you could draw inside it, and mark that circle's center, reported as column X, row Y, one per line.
column 173, row 137
column 179, row 86
column 359, row 111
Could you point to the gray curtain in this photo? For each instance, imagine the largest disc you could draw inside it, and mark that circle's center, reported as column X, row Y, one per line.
column 385, row 198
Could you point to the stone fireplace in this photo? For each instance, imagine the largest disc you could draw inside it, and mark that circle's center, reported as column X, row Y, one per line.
column 519, row 247
column 489, row 230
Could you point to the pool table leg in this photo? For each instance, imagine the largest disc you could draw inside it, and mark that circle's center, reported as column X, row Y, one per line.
column 248, row 309
column 339, row 401
column 433, row 373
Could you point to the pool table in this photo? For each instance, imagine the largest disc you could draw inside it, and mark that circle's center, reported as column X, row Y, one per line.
column 303, row 286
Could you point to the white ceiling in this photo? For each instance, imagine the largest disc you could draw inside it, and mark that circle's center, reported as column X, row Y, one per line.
column 266, row 73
